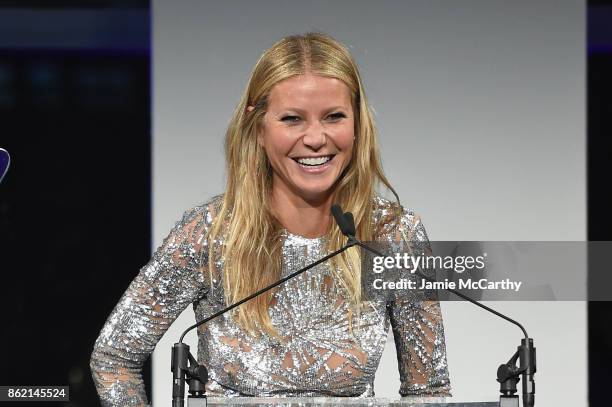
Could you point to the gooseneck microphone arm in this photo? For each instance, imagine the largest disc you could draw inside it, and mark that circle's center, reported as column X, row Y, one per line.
column 344, row 219
column 452, row 291
column 507, row 374
column 185, row 367
column 263, row 290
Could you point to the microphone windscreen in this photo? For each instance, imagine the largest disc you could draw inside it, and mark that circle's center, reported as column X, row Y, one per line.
column 340, row 220
column 350, row 221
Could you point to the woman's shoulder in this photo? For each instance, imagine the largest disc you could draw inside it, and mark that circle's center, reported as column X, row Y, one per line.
column 201, row 215
column 390, row 218
column 386, row 211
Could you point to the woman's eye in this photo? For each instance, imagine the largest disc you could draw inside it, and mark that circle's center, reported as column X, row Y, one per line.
column 336, row 116
column 290, row 119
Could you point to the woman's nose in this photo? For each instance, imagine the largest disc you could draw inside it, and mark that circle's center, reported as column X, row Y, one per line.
column 315, row 136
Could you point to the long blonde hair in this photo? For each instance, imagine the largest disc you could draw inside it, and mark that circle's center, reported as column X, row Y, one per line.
column 253, row 263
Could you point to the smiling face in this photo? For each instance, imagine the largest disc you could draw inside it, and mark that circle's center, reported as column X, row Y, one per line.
column 308, row 135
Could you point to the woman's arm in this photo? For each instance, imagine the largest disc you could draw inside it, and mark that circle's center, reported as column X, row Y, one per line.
column 418, row 330
column 160, row 292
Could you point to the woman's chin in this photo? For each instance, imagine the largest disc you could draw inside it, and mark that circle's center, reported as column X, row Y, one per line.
column 316, row 194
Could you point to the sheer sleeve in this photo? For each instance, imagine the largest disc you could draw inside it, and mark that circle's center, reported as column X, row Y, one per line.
column 418, row 330
column 163, row 288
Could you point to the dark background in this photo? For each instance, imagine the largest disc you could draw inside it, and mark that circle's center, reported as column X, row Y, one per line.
column 75, row 103
column 599, row 159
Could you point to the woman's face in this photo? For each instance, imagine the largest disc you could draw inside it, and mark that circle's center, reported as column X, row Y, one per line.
column 308, row 134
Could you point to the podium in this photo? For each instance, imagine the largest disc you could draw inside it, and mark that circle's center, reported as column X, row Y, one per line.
column 332, row 401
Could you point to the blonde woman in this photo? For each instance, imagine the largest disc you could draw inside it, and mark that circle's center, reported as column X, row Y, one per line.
column 301, row 139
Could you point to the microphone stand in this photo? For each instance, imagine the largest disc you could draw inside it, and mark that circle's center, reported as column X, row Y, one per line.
column 508, row 373
column 185, row 367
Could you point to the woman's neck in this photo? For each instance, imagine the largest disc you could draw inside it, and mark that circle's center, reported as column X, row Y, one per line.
column 308, row 218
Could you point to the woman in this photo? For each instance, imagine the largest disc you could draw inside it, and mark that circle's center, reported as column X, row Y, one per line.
column 301, row 139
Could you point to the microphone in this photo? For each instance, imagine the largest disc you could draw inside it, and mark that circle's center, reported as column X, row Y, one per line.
column 507, row 374
column 5, row 161
column 344, row 220
column 185, row 367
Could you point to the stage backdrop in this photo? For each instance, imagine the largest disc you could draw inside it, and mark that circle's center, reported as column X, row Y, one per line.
column 480, row 107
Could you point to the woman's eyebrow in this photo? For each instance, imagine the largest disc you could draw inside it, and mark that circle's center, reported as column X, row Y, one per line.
column 304, row 111
column 331, row 109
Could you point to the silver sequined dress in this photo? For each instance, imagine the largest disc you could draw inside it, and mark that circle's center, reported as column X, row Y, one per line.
column 319, row 356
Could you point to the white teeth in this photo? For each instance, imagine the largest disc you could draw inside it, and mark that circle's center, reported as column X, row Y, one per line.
column 314, row 161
